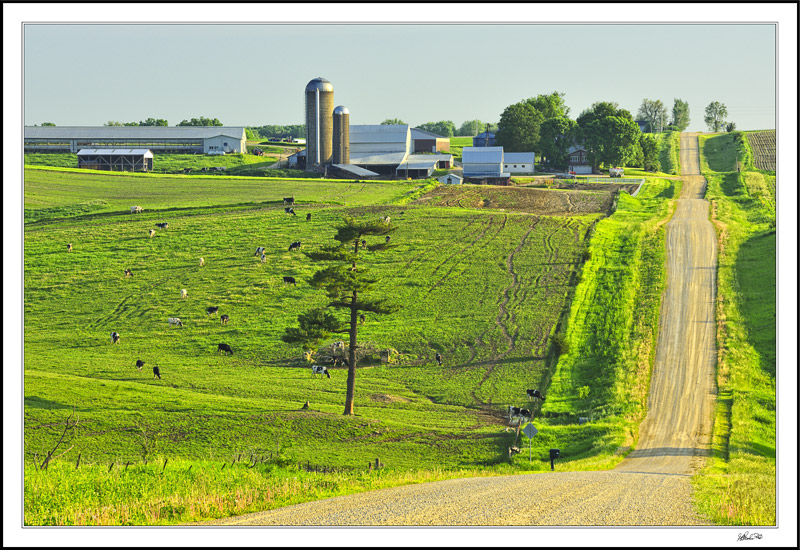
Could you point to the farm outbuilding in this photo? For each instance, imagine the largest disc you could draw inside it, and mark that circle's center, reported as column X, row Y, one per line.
column 423, row 141
column 579, row 160
column 452, row 179
column 484, row 165
column 518, row 163
column 116, row 160
column 380, row 148
column 159, row 139
column 484, row 139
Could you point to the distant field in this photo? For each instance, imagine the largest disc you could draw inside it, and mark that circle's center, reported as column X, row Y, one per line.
column 169, row 163
column 764, row 150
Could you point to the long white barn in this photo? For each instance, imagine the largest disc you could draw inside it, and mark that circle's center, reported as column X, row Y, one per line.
column 159, row 139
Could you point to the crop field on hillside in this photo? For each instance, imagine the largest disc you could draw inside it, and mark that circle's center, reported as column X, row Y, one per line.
column 483, row 287
column 544, row 201
column 764, row 151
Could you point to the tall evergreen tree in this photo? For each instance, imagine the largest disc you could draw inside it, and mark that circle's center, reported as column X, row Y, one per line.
column 347, row 282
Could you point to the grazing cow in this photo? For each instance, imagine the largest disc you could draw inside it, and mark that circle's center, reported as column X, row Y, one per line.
column 339, row 361
column 263, row 258
column 187, row 170
column 289, row 211
column 139, row 364
column 536, row 394
column 317, row 369
column 128, row 273
column 224, row 347
column 289, row 281
column 212, row 310
column 288, row 201
column 184, row 294
column 69, row 247
column 202, row 262
column 518, row 413
column 156, row 372
column 513, row 451
column 224, row 319
column 152, row 232
column 386, row 220
column 388, row 238
column 364, row 243
column 162, row 225
column 439, row 358
column 259, row 251
column 308, row 217
column 339, row 344
column 294, row 245
column 174, row 321
column 136, row 210
column 114, row 337
column 362, row 318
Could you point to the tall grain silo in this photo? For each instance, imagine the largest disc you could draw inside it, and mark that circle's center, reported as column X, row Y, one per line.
column 319, row 123
column 341, row 135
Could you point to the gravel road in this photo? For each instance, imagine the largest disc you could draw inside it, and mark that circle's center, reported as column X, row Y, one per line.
column 651, row 486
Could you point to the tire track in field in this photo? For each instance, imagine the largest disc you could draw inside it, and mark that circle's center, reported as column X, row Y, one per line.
column 427, row 250
column 459, row 253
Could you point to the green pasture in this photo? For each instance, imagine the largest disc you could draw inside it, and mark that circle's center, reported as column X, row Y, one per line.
column 738, row 486
column 172, row 163
column 485, row 288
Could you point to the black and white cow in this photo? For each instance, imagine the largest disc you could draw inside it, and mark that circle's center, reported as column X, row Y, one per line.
column 69, row 247
column 318, row 369
column 439, row 358
column 212, row 310
column 259, row 251
column 224, row 319
column 224, row 347
column 290, row 211
column 289, row 281
column 308, row 217
column 288, row 201
column 156, row 372
column 162, row 225
column 534, row 394
column 519, row 414
column 114, row 338
column 174, row 321
column 139, row 364
column 128, row 273
column 388, row 238
column 295, row 246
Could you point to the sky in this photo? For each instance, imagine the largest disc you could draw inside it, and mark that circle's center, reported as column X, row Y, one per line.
column 474, row 62
column 255, row 74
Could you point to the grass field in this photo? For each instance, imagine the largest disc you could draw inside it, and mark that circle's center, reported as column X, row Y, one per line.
column 484, row 287
column 172, row 163
column 738, row 487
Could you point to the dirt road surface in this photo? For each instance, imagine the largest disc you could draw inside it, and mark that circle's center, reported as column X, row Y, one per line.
column 651, row 486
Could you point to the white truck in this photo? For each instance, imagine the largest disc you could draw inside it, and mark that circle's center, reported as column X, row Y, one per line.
column 616, row 172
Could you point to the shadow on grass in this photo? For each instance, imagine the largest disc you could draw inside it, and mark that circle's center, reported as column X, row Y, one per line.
column 37, row 402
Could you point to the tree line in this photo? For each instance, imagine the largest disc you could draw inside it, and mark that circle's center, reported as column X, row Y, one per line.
column 448, row 128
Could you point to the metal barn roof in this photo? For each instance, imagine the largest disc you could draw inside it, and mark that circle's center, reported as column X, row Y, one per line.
column 356, row 170
column 417, row 133
column 376, row 158
column 378, row 133
column 522, row 158
column 133, row 132
column 481, row 155
column 147, row 153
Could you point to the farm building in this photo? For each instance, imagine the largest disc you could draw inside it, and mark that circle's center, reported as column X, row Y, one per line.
column 298, row 160
column 518, row 163
column 422, row 166
column 453, row 179
column 352, row 171
column 379, row 148
column 578, row 160
column 427, row 142
column 484, row 165
column 116, row 160
column 159, row 139
column 484, row 139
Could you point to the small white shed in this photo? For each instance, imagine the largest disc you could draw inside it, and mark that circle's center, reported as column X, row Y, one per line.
column 454, row 179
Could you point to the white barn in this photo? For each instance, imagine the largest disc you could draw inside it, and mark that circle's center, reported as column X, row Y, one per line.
column 518, row 163
column 484, row 165
column 380, row 147
column 158, row 139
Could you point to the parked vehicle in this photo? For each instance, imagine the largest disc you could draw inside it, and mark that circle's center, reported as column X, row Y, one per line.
column 616, row 172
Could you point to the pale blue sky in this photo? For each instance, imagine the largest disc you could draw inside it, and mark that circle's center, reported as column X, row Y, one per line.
column 248, row 74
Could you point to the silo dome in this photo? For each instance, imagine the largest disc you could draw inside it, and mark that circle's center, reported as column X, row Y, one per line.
column 341, row 110
column 320, row 84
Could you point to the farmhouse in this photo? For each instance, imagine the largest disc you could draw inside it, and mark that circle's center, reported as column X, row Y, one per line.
column 423, row 141
column 116, row 160
column 484, row 165
column 578, row 160
column 158, row 139
column 518, row 163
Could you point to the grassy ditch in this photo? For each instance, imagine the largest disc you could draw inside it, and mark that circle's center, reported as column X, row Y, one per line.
column 608, row 345
column 737, row 487
column 175, row 491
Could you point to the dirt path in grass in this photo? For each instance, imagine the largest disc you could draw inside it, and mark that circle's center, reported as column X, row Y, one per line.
column 651, row 486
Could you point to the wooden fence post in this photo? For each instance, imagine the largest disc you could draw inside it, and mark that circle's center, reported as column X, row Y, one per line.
column 78, row 462
column 165, row 464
